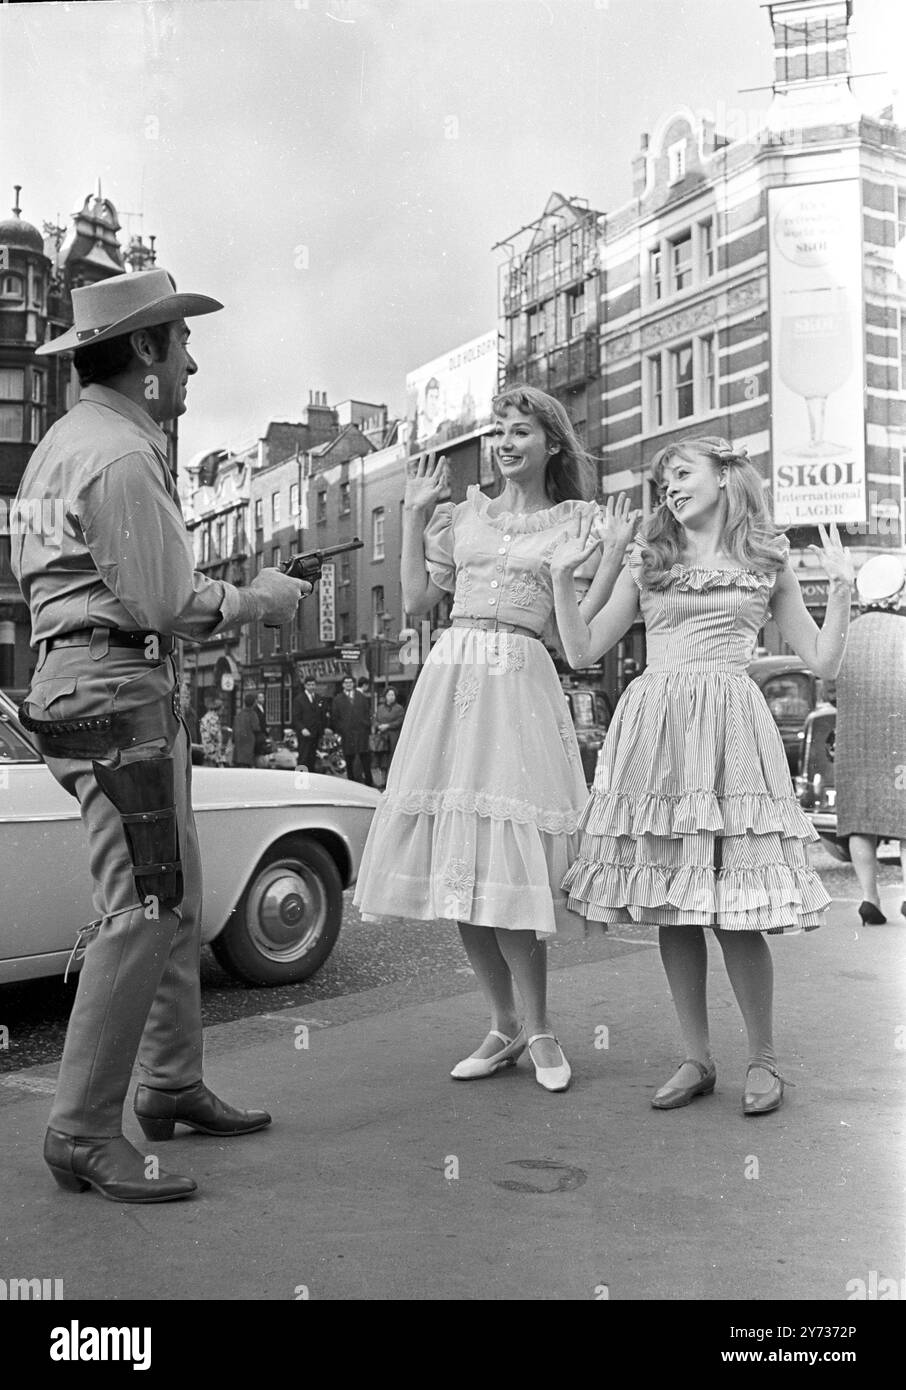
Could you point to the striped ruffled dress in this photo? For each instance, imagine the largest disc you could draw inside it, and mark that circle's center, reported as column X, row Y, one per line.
column 692, row 817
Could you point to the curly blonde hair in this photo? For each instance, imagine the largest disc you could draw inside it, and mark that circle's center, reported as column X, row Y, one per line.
column 750, row 537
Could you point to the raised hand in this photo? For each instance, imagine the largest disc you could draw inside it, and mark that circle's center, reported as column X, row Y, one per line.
column 425, row 483
column 615, row 523
column 578, row 545
column 834, row 556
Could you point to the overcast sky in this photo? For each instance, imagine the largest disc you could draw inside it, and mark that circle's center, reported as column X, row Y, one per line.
column 336, row 171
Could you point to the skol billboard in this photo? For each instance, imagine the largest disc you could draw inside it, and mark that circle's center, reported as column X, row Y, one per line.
column 452, row 395
column 817, row 403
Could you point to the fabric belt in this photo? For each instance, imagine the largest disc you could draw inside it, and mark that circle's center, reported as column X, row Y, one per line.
column 116, row 637
column 492, row 625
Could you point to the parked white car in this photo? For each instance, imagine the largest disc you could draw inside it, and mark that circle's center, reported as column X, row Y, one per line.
column 278, row 850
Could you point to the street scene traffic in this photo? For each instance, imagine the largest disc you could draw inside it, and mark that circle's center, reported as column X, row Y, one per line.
column 452, row 657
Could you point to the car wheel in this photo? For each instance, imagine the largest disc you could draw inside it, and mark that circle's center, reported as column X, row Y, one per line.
column 287, row 921
column 838, row 849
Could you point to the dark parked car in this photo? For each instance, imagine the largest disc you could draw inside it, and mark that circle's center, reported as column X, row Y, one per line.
column 815, row 786
column 792, row 691
column 591, row 714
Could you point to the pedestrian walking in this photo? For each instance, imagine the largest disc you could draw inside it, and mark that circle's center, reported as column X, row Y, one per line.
column 107, row 599
column 350, row 717
column 870, row 744
column 245, row 727
column 478, row 822
column 211, row 732
column 385, row 732
column 692, row 821
column 308, row 722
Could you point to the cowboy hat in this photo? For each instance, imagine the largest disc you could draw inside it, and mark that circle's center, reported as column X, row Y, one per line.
column 880, row 581
column 124, row 303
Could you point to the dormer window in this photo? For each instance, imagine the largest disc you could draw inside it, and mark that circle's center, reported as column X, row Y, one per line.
column 11, row 287
column 676, row 161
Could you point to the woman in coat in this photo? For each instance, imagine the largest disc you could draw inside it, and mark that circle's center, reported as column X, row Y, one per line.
column 388, row 719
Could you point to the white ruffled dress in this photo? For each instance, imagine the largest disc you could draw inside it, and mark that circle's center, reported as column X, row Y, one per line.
column 479, row 819
column 692, row 817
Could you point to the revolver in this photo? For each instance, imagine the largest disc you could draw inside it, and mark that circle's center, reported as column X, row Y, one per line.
column 308, row 564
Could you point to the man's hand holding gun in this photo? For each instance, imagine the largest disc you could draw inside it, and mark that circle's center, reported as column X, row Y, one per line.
column 302, row 573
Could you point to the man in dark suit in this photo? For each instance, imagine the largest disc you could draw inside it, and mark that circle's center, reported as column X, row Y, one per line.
column 350, row 716
column 308, row 722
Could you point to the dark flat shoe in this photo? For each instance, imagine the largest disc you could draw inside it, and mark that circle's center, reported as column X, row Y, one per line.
column 871, row 916
column 112, row 1167
column 682, row 1095
column 763, row 1102
column 159, row 1111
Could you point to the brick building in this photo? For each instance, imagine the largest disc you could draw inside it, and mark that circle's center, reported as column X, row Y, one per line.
column 696, row 274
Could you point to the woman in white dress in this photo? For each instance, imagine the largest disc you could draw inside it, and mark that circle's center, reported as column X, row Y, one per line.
column 480, row 817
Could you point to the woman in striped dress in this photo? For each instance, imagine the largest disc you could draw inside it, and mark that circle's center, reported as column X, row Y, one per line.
column 692, row 820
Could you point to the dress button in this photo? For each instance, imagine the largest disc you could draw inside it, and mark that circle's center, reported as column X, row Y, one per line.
column 494, row 584
column 502, row 550
column 507, row 538
column 492, row 599
column 498, row 569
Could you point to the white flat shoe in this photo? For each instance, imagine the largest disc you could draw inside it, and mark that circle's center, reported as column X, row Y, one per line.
column 472, row 1067
column 551, row 1078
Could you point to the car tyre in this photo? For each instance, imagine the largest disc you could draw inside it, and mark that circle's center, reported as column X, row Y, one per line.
column 287, row 920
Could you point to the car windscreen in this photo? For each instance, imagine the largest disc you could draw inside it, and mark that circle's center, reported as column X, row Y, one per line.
column 13, row 747
column 788, row 696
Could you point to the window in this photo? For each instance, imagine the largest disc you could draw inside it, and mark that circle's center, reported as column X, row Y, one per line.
column 34, row 424
column 275, row 508
column 536, row 331
column 656, row 384
column 294, row 499
column 37, row 387
column 903, row 349
column 676, row 161
column 656, row 268
column 706, row 248
column 259, row 561
column 345, row 570
column 276, row 557
column 575, row 308
column 682, row 381
column 322, row 505
column 221, row 538
column 681, row 262
column 259, row 514
column 345, row 502
column 11, row 287
column 377, row 609
column 273, row 702
column 206, row 543
column 12, row 383
column 344, row 627
column 708, row 357
column 901, row 216
column 377, row 534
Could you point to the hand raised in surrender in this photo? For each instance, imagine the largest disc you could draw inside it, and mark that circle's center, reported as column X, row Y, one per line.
column 834, row 556
column 425, row 483
column 578, row 545
column 615, row 523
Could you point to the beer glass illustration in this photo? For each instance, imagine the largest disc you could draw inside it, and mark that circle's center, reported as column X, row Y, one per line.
column 816, row 357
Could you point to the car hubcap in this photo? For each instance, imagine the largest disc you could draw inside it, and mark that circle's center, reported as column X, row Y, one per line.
column 287, row 911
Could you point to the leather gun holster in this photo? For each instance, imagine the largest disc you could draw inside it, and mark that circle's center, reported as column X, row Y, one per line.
column 142, row 789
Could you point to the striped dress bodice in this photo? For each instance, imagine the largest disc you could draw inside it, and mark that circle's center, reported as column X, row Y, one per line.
column 705, row 620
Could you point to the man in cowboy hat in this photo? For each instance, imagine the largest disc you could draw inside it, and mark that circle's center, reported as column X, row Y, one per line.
column 108, row 593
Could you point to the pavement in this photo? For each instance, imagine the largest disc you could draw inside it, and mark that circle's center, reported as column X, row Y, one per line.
column 383, row 1179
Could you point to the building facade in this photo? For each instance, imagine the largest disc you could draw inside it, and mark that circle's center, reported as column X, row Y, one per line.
column 37, row 276
column 749, row 289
